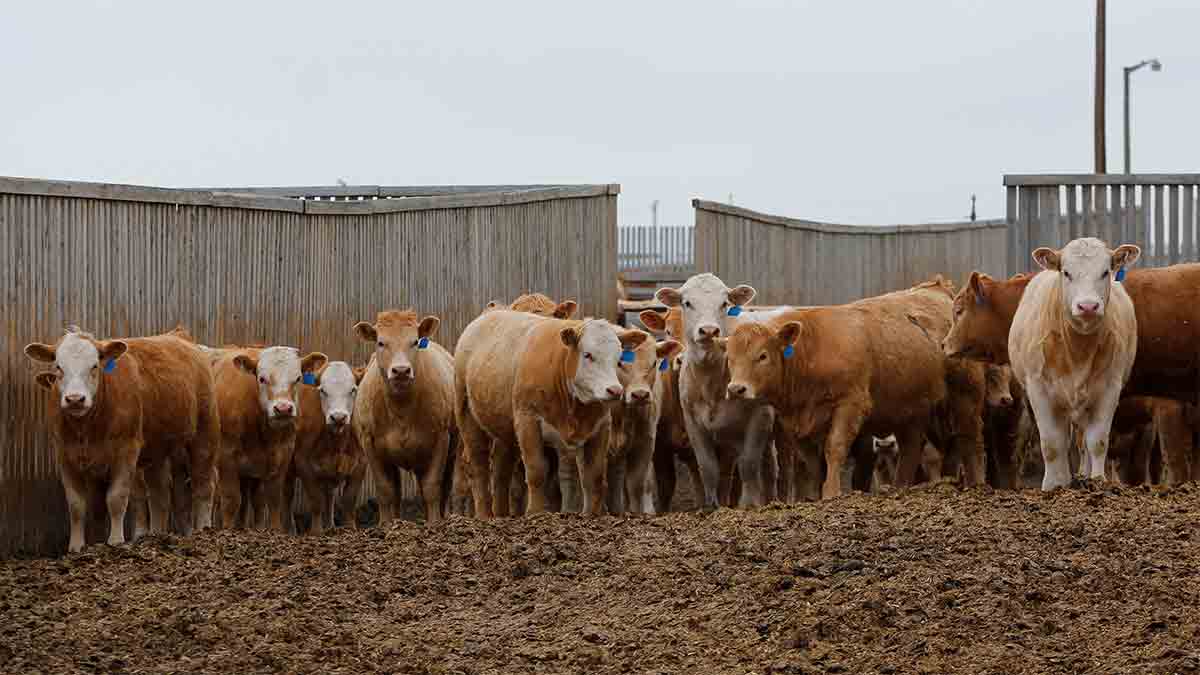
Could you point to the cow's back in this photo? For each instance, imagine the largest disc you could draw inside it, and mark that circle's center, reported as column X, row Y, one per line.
column 177, row 385
column 1167, row 309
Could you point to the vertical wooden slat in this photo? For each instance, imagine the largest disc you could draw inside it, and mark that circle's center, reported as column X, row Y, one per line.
column 1188, row 242
column 1154, row 253
column 1170, row 246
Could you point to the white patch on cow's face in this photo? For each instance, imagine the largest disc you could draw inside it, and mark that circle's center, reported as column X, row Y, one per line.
column 886, row 444
column 705, row 302
column 78, row 362
column 598, row 351
column 1086, row 277
column 278, row 376
column 338, row 389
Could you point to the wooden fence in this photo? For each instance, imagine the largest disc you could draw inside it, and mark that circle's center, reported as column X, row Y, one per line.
column 803, row 262
column 124, row 260
column 1155, row 211
column 648, row 247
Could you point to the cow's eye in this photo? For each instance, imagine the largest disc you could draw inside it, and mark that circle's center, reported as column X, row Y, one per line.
column 263, row 379
column 588, row 356
column 379, row 344
column 1067, row 275
column 687, row 304
column 323, row 393
column 299, row 378
column 416, row 342
column 1104, row 275
column 762, row 356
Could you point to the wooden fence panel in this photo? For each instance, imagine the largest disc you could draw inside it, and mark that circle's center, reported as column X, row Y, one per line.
column 799, row 262
column 124, row 260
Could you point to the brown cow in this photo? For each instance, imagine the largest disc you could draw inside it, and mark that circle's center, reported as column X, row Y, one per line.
column 119, row 403
column 258, row 394
column 541, row 305
column 328, row 460
column 847, row 372
column 670, row 440
column 404, row 415
column 529, row 381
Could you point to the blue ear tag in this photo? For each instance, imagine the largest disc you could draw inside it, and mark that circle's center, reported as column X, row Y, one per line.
column 423, row 343
column 110, row 365
column 627, row 356
column 663, row 364
column 310, row 379
column 735, row 310
column 788, row 351
column 1121, row 274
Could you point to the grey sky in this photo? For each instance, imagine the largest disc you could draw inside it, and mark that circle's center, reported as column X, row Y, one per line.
column 844, row 111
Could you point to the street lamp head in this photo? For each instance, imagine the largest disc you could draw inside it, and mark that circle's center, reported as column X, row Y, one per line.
column 1155, row 65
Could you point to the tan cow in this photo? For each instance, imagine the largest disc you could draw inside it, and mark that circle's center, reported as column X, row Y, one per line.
column 724, row 430
column 849, row 372
column 328, row 460
column 120, row 402
column 527, row 381
column 404, row 415
column 541, row 305
column 671, row 441
column 258, row 394
column 1072, row 343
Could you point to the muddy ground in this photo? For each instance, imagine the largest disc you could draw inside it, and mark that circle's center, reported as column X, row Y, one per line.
column 932, row 580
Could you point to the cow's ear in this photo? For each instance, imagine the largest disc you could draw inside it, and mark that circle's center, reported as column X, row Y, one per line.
column 247, row 363
column 1125, row 255
column 428, row 326
column 741, row 295
column 671, row 297
column 565, row 309
column 977, row 289
column 667, row 349
column 632, row 339
column 111, row 350
column 40, row 352
column 789, row 333
column 313, row 362
column 653, row 320
column 1047, row 259
column 569, row 336
column 359, row 373
column 46, row 380
column 365, row 332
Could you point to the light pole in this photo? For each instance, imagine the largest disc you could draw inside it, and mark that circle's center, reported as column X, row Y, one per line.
column 1155, row 66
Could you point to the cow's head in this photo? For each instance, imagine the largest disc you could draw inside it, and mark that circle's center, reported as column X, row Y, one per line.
column 976, row 323
column 279, row 371
column 887, row 453
column 705, row 302
column 398, row 338
column 1086, row 268
column 999, row 386
column 80, row 364
column 594, row 350
column 756, row 354
column 637, row 376
column 542, row 305
column 338, row 385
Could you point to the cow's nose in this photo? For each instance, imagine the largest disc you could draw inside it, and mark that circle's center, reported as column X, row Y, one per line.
column 709, row 331
column 73, row 399
column 399, row 372
column 339, row 418
column 615, row 391
column 736, row 389
column 1006, row 401
column 283, row 408
column 640, row 395
column 1088, row 307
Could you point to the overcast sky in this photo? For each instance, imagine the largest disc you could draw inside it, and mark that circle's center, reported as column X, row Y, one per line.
column 848, row 111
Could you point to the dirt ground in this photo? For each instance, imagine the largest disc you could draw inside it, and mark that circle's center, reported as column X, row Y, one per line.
column 932, row 580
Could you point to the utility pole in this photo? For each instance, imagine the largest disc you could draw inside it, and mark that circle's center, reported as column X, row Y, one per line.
column 1100, row 150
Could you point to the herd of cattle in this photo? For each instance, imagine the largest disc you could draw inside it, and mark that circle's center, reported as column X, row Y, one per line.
column 538, row 411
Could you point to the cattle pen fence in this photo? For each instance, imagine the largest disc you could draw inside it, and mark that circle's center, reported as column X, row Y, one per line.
column 803, row 262
column 294, row 266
